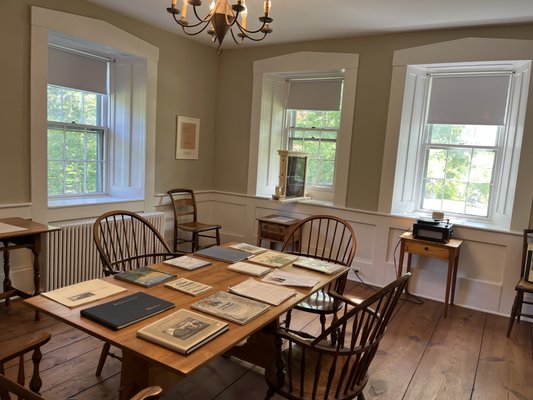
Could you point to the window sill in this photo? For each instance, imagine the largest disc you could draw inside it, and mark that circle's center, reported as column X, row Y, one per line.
column 458, row 221
column 88, row 201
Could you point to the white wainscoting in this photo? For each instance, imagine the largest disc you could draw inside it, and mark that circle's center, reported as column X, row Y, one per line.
column 489, row 263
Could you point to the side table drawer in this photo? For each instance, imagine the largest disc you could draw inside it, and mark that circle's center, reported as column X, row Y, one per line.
column 426, row 250
column 272, row 228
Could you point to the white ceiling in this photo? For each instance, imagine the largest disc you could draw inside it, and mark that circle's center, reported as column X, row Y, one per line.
column 303, row 20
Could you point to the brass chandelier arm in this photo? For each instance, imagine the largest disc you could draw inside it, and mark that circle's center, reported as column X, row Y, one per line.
column 243, row 35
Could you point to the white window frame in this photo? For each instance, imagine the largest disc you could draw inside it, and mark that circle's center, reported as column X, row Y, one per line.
column 267, row 123
column 511, row 210
column 131, row 188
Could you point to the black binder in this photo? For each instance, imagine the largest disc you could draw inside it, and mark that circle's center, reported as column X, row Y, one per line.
column 127, row 310
column 225, row 254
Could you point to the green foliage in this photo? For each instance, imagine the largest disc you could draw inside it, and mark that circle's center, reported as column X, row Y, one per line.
column 75, row 150
column 315, row 133
column 458, row 175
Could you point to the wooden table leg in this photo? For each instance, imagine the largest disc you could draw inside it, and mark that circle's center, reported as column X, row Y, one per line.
column 454, row 278
column 448, row 283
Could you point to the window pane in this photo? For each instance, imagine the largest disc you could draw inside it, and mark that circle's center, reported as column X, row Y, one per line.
column 325, row 173
column 56, row 177
column 94, row 150
column 54, row 103
column 75, row 145
column 478, row 199
column 74, row 177
column 482, row 166
column 454, row 197
column 469, row 135
column 56, row 144
column 72, row 107
column 90, row 115
column 433, row 193
column 436, row 164
column 458, row 164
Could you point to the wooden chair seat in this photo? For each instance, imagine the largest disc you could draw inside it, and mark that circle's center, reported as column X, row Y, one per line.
column 197, row 227
column 319, row 303
column 524, row 286
column 304, row 369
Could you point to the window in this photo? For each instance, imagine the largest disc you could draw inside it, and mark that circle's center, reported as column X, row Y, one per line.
column 460, row 139
column 315, row 133
column 76, row 137
column 91, row 57
column 285, row 108
column 458, row 174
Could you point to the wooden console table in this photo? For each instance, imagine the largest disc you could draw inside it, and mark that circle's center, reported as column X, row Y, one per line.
column 274, row 228
column 445, row 251
column 17, row 233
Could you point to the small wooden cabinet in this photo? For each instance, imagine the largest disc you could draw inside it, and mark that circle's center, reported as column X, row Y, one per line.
column 445, row 251
column 274, row 228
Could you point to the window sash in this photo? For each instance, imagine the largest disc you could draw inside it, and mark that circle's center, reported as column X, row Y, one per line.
column 425, row 149
column 66, row 164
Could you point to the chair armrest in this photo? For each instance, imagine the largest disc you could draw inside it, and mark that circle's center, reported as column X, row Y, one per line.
column 149, row 392
column 15, row 347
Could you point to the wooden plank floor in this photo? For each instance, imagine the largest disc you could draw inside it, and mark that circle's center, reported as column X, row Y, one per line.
column 422, row 357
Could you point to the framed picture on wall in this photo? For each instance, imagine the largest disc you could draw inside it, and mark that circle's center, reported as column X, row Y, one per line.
column 187, row 138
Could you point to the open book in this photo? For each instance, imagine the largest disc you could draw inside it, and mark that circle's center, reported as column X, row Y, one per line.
column 144, row 276
column 264, row 292
column 183, row 331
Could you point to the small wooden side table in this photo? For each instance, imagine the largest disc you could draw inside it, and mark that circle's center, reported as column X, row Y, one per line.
column 445, row 251
column 275, row 228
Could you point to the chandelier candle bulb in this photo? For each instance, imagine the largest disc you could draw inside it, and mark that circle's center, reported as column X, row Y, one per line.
column 244, row 14
column 173, row 3
column 184, row 9
column 267, row 7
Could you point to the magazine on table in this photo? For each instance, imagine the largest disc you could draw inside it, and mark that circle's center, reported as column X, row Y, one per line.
column 183, row 331
column 187, row 286
column 231, row 307
column 285, row 278
column 314, row 264
column 144, row 276
column 249, row 248
column 261, row 291
column 83, row 292
column 273, row 259
column 248, row 268
column 187, row 262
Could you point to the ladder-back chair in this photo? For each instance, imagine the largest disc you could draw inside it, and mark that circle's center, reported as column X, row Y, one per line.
column 327, row 238
column 187, row 229
column 335, row 363
column 523, row 286
column 127, row 241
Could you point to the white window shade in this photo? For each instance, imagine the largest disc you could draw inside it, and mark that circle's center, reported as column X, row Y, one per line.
column 318, row 95
column 76, row 71
column 468, row 99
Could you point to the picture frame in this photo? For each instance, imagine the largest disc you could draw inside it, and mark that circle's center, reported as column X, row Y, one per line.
column 187, row 138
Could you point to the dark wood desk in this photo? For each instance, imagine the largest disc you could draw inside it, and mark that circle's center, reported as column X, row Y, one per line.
column 145, row 363
column 445, row 251
column 16, row 233
column 275, row 229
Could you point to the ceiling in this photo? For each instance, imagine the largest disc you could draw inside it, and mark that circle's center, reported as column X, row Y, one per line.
column 303, row 20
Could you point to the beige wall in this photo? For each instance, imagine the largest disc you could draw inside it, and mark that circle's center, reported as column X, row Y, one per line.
column 193, row 81
column 373, row 87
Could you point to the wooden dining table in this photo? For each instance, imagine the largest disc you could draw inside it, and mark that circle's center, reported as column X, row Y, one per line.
column 145, row 363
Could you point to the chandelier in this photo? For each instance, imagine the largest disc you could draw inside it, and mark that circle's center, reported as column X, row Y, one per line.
column 222, row 16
